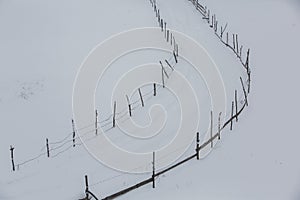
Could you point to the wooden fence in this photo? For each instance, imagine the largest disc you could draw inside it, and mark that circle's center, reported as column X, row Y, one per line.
column 235, row 112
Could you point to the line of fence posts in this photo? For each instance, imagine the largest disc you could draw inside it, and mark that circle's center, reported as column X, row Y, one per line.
column 238, row 51
column 167, row 34
column 175, row 53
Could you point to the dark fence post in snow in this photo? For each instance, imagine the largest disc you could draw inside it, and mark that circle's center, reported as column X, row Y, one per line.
column 86, row 187
column 129, row 105
column 249, row 81
column 12, row 157
column 219, row 126
column 114, row 116
column 223, row 30
column 233, row 41
column 47, row 146
column 165, row 29
column 247, row 60
column 175, row 57
column 197, row 145
column 248, row 72
column 164, row 70
column 227, row 39
column 96, row 122
column 168, row 33
column 141, row 97
column 245, row 94
column 154, row 89
column 169, row 65
column 153, row 171
column 74, row 133
column 221, row 35
column 208, row 16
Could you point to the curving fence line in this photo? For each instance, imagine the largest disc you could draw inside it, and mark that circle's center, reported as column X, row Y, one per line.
column 235, row 112
column 71, row 140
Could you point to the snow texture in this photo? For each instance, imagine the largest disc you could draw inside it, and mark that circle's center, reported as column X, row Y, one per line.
column 43, row 44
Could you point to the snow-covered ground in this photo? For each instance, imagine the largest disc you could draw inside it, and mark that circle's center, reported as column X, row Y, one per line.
column 43, row 45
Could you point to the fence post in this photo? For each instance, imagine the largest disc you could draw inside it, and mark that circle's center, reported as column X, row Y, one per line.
column 129, row 106
column 168, row 33
column 74, row 133
column 197, row 145
column 175, row 57
column 12, row 157
column 245, row 94
column 233, row 41
column 221, row 35
column 227, row 39
column 169, row 64
column 164, row 69
column 219, row 126
column 163, row 77
column 247, row 60
column 86, row 187
column 249, row 81
column 165, row 29
column 208, row 16
column 114, row 116
column 223, row 30
column 248, row 72
column 47, row 146
column 153, row 171
column 96, row 122
column 141, row 97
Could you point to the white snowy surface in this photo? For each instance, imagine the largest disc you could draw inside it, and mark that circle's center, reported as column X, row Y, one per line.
column 42, row 45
